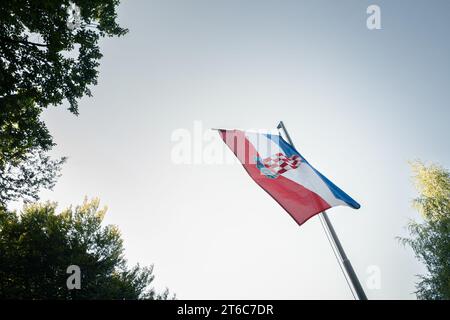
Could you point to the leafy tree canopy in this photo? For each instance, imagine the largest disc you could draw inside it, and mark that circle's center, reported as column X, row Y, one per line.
column 22, row 179
column 433, row 184
column 430, row 240
column 47, row 57
column 49, row 53
column 38, row 245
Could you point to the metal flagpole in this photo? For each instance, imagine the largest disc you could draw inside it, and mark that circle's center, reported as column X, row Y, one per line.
column 330, row 230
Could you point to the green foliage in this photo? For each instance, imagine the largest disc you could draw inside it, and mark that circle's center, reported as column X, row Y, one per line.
column 23, row 178
column 62, row 63
column 433, row 184
column 37, row 246
column 21, row 129
column 24, row 140
column 44, row 61
column 430, row 240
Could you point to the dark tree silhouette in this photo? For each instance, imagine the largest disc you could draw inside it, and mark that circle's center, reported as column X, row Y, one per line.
column 37, row 247
column 49, row 53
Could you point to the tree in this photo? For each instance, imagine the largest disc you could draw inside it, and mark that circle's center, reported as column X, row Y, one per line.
column 49, row 53
column 62, row 63
column 38, row 245
column 430, row 240
column 433, row 184
column 24, row 141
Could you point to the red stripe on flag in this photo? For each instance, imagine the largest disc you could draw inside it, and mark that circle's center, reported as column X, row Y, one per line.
column 299, row 202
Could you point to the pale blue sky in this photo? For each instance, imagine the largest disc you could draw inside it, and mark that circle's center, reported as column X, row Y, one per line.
column 358, row 103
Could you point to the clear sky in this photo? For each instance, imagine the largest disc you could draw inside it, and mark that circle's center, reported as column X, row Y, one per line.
column 358, row 104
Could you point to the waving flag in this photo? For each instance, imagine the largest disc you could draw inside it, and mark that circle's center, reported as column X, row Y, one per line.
column 286, row 175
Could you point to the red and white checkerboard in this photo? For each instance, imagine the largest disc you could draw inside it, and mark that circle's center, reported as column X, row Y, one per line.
column 279, row 163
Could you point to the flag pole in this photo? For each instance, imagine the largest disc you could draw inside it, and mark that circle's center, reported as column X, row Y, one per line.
column 330, row 230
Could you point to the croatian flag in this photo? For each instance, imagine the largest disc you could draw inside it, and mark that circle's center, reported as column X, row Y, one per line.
column 282, row 172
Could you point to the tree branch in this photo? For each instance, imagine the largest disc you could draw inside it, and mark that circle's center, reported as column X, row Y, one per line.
column 25, row 42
